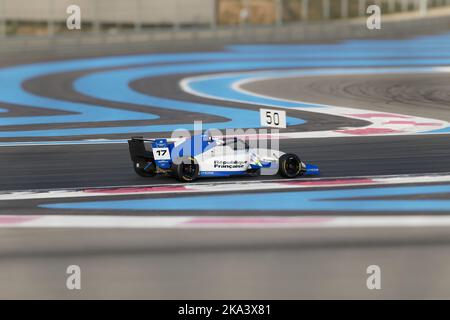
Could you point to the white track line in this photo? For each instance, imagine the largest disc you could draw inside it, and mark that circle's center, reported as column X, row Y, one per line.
column 214, row 187
column 382, row 123
column 225, row 222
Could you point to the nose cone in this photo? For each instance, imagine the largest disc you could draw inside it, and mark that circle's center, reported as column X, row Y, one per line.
column 312, row 170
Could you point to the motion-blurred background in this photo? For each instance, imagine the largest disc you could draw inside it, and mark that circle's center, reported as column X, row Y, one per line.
column 41, row 23
column 21, row 17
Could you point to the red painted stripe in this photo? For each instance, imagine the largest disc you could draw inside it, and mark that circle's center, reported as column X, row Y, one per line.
column 16, row 219
column 415, row 123
column 135, row 190
column 379, row 115
column 328, row 182
column 368, row 131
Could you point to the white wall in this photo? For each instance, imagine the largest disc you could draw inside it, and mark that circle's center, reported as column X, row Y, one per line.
column 120, row 11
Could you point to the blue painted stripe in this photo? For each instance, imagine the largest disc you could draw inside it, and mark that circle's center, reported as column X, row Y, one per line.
column 444, row 130
column 11, row 78
column 114, row 86
column 12, row 92
column 221, row 173
column 329, row 200
column 427, row 50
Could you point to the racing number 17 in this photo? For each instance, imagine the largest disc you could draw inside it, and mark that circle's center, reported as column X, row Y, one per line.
column 161, row 153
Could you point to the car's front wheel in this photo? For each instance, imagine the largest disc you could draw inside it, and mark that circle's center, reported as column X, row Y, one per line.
column 290, row 166
column 186, row 170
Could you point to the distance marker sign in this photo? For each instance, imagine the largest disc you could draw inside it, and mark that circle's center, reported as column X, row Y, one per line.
column 273, row 118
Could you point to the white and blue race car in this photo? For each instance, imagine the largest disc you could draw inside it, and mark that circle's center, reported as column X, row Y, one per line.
column 203, row 156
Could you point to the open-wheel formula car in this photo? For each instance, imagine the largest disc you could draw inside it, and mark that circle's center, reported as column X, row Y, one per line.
column 203, row 156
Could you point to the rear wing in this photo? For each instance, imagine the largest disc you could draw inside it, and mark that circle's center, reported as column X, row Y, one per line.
column 160, row 149
column 139, row 152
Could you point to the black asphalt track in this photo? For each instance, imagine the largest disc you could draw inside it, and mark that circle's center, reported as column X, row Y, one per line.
column 78, row 166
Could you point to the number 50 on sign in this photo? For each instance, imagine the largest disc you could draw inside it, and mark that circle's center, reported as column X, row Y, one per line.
column 273, row 118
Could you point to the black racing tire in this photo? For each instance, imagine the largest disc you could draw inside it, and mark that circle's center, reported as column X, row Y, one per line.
column 290, row 166
column 141, row 164
column 187, row 170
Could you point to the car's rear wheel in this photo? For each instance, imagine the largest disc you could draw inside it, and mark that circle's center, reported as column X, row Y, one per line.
column 145, row 168
column 186, row 170
column 290, row 166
